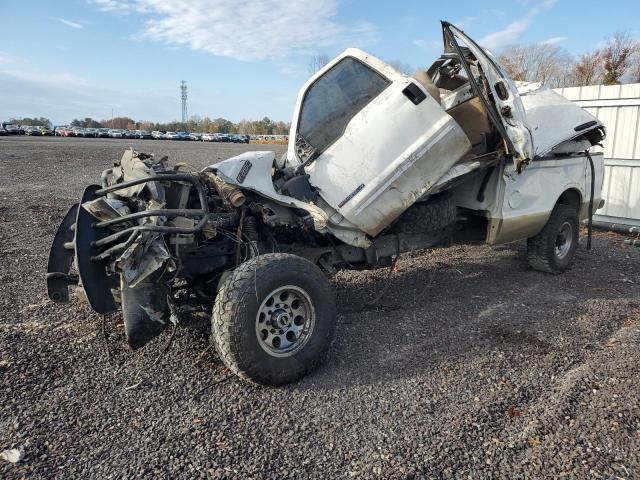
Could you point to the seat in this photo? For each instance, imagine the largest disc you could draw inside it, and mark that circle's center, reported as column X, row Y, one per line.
column 473, row 119
column 424, row 80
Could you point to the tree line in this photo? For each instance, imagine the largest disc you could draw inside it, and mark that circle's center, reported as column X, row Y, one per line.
column 266, row 126
column 616, row 62
column 32, row 122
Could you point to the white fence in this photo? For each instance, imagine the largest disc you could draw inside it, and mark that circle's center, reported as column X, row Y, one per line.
column 618, row 107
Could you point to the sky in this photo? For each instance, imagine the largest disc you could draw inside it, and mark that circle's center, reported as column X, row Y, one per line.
column 246, row 59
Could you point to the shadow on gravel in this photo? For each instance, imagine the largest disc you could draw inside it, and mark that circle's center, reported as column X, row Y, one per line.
column 432, row 315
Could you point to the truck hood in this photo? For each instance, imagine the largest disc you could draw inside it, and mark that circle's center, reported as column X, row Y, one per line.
column 554, row 120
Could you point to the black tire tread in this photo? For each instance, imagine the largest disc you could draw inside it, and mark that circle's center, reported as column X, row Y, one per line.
column 235, row 290
column 538, row 253
column 430, row 216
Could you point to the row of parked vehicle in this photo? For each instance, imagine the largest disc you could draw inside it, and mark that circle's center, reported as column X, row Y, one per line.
column 146, row 135
column 63, row 131
column 11, row 129
column 100, row 133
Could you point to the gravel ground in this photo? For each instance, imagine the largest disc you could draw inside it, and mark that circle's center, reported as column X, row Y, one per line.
column 463, row 363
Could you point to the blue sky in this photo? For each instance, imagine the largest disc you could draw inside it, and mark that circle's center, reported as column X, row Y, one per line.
column 246, row 59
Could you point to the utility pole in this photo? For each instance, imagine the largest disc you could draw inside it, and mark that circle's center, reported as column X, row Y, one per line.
column 183, row 96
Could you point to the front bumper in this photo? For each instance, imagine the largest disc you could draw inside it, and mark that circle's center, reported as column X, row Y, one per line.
column 91, row 245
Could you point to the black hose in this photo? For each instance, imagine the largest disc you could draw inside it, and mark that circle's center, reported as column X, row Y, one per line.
column 593, row 183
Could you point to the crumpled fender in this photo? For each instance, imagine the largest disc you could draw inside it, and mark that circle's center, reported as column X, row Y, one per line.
column 253, row 171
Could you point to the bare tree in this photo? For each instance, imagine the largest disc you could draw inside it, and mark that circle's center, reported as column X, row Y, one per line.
column 587, row 70
column 618, row 55
column 317, row 62
column 538, row 62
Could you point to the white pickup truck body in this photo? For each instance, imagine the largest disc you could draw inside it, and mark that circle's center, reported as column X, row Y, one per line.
column 379, row 141
column 379, row 163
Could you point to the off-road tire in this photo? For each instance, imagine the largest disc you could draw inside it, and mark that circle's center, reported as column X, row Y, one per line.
column 432, row 215
column 235, row 311
column 541, row 249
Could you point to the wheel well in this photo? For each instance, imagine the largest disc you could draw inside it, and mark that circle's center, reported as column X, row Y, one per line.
column 570, row 197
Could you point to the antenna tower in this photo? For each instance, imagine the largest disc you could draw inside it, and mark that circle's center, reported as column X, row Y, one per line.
column 183, row 96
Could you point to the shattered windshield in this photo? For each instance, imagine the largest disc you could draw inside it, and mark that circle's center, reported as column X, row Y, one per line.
column 335, row 98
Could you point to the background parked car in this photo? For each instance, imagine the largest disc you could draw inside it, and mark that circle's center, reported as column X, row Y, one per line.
column 239, row 138
column 142, row 134
column 209, row 137
column 172, row 136
column 32, row 131
column 116, row 133
column 158, row 134
column 102, row 133
column 44, row 131
column 3, row 131
column 183, row 136
column 195, row 136
column 90, row 132
column 11, row 129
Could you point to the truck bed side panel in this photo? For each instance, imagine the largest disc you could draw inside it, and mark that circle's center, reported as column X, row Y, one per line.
column 529, row 197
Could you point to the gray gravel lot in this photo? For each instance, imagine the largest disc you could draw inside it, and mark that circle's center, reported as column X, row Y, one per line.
column 468, row 365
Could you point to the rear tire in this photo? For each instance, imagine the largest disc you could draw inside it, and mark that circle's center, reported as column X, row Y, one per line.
column 273, row 319
column 553, row 249
column 433, row 215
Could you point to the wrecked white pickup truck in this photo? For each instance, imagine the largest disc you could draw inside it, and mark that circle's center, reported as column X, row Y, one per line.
column 378, row 163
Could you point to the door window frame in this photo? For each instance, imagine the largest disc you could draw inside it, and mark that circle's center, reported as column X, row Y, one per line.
column 317, row 153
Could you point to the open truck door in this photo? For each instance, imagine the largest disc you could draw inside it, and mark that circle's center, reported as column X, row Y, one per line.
column 499, row 94
column 371, row 139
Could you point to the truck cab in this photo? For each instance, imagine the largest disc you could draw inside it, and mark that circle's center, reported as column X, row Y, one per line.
column 374, row 141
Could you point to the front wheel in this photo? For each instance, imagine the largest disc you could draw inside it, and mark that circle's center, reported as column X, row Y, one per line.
column 553, row 249
column 273, row 319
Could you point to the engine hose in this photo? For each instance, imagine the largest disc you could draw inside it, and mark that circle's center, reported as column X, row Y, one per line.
column 229, row 193
column 593, row 183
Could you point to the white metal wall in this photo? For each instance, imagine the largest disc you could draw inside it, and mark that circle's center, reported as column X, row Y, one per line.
column 618, row 107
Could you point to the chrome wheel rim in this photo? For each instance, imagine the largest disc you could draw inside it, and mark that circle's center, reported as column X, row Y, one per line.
column 564, row 240
column 285, row 321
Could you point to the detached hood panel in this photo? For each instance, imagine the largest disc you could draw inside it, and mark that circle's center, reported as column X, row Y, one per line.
column 552, row 118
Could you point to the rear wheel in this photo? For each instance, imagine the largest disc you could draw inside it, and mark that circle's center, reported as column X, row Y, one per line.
column 273, row 319
column 430, row 216
column 553, row 249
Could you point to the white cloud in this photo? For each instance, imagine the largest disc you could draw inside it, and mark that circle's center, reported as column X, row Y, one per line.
column 513, row 32
column 248, row 30
column 71, row 24
column 428, row 44
column 112, row 5
column 553, row 40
